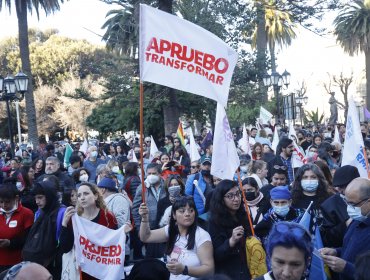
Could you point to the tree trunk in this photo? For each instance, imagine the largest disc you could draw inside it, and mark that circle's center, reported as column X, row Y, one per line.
column 21, row 8
column 171, row 112
column 261, row 49
column 367, row 64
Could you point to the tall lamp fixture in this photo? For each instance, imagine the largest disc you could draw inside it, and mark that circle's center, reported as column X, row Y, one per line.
column 12, row 89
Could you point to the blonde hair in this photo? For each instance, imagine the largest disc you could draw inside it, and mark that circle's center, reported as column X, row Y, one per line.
column 254, row 165
column 99, row 202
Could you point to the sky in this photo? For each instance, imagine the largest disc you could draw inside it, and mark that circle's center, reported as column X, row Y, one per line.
column 310, row 57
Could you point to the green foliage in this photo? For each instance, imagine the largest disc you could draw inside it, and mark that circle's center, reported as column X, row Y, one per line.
column 314, row 117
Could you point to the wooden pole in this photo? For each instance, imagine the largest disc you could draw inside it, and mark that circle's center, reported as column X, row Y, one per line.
column 245, row 202
column 143, row 187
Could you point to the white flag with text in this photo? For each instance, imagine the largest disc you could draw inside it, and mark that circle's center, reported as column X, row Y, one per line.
column 181, row 55
column 225, row 159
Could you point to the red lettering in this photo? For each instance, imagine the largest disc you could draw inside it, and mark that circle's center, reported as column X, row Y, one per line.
column 153, row 45
column 212, row 78
column 177, row 64
column 219, row 80
column 198, row 58
column 148, row 56
column 104, row 261
column 208, row 61
column 161, row 60
column 119, row 251
column 155, row 58
column 118, row 261
column 176, row 50
column 217, row 65
column 82, row 240
column 183, row 65
column 198, row 70
column 191, row 68
column 184, row 53
column 164, row 46
column 105, row 252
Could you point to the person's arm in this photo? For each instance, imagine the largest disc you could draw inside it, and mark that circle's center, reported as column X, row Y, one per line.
column 135, row 208
column 207, row 264
column 121, row 209
column 146, row 235
column 66, row 238
column 189, row 185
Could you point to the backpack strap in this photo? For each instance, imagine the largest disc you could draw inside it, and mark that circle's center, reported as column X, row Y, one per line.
column 196, row 177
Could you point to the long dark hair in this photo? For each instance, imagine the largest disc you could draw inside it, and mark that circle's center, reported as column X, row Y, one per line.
column 322, row 190
column 220, row 214
column 173, row 230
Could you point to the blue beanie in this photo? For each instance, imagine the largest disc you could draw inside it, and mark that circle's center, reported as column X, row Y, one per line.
column 281, row 192
column 108, row 183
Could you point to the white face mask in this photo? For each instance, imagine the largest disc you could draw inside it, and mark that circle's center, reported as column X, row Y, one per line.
column 84, row 178
column 94, row 154
column 19, row 186
column 152, row 179
column 10, row 211
column 310, row 185
column 115, row 169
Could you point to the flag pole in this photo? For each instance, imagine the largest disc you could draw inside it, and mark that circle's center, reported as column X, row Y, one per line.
column 245, row 202
column 142, row 141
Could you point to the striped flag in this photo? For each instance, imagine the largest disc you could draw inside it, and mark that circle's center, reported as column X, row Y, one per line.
column 67, row 154
column 180, row 134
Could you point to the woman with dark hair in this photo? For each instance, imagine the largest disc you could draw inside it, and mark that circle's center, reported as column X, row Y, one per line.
column 189, row 247
column 258, row 205
column 181, row 156
column 176, row 143
column 25, row 182
column 228, row 227
column 170, row 167
column 15, row 223
column 69, row 198
column 131, row 180
column 326, row 171
column 289, row 248
column 309, row 185
column 317, row 139
column 325, row 153
column 257, row 151
column 39, row 166
column 80, row 175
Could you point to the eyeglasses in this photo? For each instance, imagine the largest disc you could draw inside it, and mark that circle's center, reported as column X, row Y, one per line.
column 353, row 205
column 13, row 271
column 193, row 166
column 297, row 230
column 176, row 142
column 232, row 196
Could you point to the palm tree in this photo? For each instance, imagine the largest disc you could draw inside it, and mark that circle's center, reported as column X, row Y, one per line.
column 352, row 29
column 22, row 8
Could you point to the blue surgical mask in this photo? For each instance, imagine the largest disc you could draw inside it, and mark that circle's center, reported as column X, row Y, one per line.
column 94, row 154
column 281, row 211
column 310, row 185
column 355, row 213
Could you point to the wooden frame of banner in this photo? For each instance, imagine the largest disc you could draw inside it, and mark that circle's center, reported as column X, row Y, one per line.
column 142, row 141
column 245, row 202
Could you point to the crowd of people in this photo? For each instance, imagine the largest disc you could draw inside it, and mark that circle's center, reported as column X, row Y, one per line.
column 192, row 225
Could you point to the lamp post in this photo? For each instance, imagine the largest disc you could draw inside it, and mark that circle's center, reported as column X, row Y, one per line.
column 300, row 100
column 277, row 81
column 12, row 89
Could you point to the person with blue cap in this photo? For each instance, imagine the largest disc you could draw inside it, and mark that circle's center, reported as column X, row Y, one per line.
column 281, row 210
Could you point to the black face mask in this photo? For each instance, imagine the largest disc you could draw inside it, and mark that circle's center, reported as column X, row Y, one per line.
column 206, row 172
column 250, row 196
column 336, row 154
column 300, row 138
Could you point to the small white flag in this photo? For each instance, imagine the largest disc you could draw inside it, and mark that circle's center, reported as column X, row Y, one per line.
column 153, row 148
column 265, row 116
column 353, row 151
column 225, row 159
column 275, row 140
column 194, row 154
column 292, row 134
column 84, row 146
column 244, row 143
column 336, row 136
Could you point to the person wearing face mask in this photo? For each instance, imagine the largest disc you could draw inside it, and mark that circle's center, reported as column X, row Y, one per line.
column 92, row 162
column 334, row 209
column 357, row 238
column 257, row 203
column 200, row 184
column 310, row 185
column 154, row 192
column 281, row 210
column 15, row 223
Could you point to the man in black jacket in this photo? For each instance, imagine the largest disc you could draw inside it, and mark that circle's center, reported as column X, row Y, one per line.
column 334, row 209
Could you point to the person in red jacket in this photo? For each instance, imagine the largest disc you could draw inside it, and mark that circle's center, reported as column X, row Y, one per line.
column 15, row 223
column 91, row 206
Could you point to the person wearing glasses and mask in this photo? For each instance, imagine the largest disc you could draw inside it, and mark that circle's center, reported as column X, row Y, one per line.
column 357, row 238
column 194, row 167
column 189, row 248
column 228, row 227
column 289, row 248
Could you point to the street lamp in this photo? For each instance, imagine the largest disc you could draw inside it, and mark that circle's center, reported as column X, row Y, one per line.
column 277, row 81
column 12, row 89
column 300, row 100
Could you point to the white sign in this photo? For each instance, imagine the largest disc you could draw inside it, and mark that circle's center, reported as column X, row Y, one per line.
column 181, row 55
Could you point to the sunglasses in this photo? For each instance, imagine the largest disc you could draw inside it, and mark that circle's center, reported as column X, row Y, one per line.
column 13, row 271
column 282, row 167
column 193, row 166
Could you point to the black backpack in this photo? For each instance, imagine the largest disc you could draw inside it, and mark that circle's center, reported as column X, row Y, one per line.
column 41, row 244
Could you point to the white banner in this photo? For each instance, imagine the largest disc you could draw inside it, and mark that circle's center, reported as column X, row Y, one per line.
column 181, row 55
column 336, row 135
column 244, row 143
column 225, row 159
column 353, row 151
column 100, row 251
column 265, row 116
column 275, row 140
column 194, row 153
column 153, row 148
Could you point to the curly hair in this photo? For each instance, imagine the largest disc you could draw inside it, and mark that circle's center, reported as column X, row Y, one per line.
column 99, row 202
column 254, row 154
column 322, row 190
column 220, row 214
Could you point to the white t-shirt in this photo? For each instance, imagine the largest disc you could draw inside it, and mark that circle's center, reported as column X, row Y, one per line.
column 187, row 257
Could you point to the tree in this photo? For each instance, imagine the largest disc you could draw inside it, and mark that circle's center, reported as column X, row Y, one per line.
column 22, row 7
column 352, row 29
column 314, row 117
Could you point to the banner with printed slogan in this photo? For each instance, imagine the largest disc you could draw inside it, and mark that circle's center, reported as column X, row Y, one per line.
column 181, row 55
column 353, row 151
column 100, row 251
